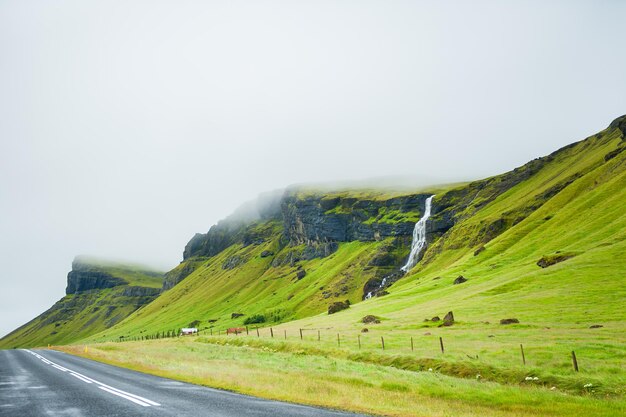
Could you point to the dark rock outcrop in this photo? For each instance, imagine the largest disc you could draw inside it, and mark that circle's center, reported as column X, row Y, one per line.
column 267, row 253
column 448, row 320
column 179, row 273
column 509, row 321
column 136, row 291
column 619, row 123
column 370, row 319
column 233, row 262
column 300, row 274
column 234, row 229
column 550, row 260
column 85, row 277
column 338, row 306
column 460, row 280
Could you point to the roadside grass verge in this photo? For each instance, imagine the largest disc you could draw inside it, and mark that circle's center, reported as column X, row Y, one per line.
column 371, row 384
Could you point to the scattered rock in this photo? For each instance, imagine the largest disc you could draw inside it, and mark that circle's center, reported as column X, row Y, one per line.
column 479, row 250
column 338, row 306
column 460, row 280
column 491, row 335
column 436, row 318
column 301, row 274
column 370, row 319
column 235, row 315
column 436, row 278
column 427, row 334
column 448, row 320
column 365, row 330
column 509, row 321
column 266, row 253
column 212, row 320
column 550, row 260
column 595, row 326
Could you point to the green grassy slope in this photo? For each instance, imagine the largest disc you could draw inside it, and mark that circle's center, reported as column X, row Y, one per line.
column 571, row 202
column 555, row 305
column 76, row 316
column 255, row 287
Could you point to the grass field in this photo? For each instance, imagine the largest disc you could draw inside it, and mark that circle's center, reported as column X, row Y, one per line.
column 299, row 372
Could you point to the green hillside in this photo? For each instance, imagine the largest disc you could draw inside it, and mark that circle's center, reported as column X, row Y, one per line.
column 95, row 306
column 542, row 244
column 568, row 202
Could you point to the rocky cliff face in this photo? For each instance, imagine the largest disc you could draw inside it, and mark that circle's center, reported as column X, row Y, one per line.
column 85, row 277
column 345, row 219
column 233, row 229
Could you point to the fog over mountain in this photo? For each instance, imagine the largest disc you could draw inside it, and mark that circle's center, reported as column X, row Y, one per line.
column 127, row 127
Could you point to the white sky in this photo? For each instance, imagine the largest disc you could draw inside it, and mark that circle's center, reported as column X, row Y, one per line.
column 127, row 126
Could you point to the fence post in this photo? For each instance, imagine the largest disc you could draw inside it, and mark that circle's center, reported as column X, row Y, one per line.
column 359, row 339
column 441, row 343
column 272, row 332
column 338, row 341
column 574, row 361
column 285, row 334
column 523, row 356
column 382, row 341
column 211, row 331
column 257, row 332
column 411, row 343
column 318, row 335
column 300, row 334
column 247, row 334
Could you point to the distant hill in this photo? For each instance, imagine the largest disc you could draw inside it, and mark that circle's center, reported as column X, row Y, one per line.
column 100, row 293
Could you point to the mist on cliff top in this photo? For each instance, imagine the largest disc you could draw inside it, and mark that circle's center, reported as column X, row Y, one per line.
column 129, row 126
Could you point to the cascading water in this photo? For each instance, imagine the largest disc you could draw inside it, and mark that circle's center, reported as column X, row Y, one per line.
column 419, row 237
column 417, row 246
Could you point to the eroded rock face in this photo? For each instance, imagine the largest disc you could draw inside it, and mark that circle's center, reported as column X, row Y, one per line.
column 82, row 278
column 343, row 219
column 136, row 291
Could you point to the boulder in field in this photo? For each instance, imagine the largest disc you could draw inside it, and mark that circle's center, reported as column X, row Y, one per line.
column 448, row 320
column 460, row 280
column 509, row 321
column 338, row 306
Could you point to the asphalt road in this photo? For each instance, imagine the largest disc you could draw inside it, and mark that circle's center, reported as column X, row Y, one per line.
column 50, row 383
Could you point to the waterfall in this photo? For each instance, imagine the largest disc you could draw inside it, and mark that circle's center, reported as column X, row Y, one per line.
column 417, row 246
column 419, row 237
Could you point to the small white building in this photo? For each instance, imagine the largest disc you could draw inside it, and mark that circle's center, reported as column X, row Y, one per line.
column 188, row 331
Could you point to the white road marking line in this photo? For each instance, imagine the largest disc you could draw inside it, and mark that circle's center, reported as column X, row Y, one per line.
column 119, row 390
column 80, row 377
column 124, row 396
column 116, row 391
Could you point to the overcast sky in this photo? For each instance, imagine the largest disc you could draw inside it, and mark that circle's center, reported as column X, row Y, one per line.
column 128, row 126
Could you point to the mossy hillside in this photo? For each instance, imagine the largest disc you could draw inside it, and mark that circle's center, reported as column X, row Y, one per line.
column 75, row 317
column 80, row 315
column 255, row 286
column 555, row 305
column 486, row 211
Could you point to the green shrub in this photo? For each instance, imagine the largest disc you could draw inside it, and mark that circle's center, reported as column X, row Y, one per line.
column 257, row 318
